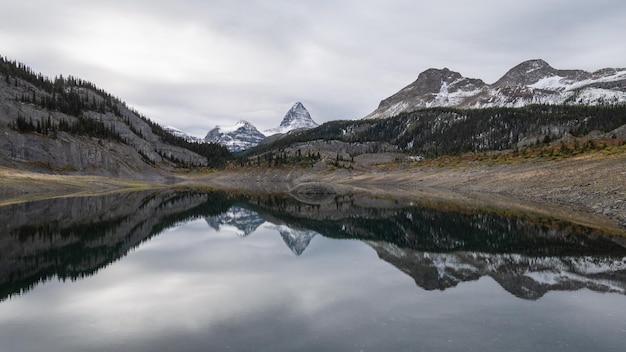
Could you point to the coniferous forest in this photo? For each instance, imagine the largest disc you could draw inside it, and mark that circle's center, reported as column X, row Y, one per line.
column 447, row 131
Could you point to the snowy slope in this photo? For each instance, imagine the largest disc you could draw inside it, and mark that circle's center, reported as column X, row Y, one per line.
column 296, row 118
column 531, row 82
column 241, row 136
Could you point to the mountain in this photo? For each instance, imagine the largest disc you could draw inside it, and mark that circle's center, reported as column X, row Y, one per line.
column 178, row 133
column 68, row 125
column 531, row 82
column 296, row 118
column 244, row 135
column 241, row 136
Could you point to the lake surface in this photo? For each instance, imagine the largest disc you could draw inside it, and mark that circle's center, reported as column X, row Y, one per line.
column 210, row 271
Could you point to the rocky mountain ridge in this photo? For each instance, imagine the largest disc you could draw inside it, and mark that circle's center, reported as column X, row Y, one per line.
column 296, row 118
column 245, row 135
column 531, row 82
column 241, row 136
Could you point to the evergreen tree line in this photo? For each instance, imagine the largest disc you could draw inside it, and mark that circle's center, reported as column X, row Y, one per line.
column 448, row 131
column 61, row 94
column 81, row 126
column 280, row 158
column 454, row 131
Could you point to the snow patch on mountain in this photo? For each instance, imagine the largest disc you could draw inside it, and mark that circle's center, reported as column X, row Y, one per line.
column 531, row 82
column 591, row 96
column 296, row 118
column 241, row 136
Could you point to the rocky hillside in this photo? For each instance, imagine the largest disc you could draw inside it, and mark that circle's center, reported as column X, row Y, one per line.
column 69, row 125
column 531, row 82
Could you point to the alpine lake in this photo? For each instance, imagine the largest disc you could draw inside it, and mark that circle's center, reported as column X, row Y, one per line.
column 206, row 270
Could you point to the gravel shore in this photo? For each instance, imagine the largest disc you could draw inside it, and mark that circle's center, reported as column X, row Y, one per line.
column 585, row 189
column 588, row 189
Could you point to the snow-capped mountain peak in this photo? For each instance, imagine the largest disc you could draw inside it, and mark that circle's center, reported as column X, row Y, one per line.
column 296, row 118
column 531, row 82
column 238, row 137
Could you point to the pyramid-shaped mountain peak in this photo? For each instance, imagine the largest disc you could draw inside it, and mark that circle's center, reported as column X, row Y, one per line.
column 297, row 117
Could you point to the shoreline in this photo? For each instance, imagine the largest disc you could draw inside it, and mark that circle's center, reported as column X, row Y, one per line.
column 18, row 186
column 588, row 189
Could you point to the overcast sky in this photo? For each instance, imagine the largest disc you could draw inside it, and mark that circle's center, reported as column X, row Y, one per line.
column 195, row 64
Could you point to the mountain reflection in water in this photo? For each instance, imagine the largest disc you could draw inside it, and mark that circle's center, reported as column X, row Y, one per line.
column 70, row 238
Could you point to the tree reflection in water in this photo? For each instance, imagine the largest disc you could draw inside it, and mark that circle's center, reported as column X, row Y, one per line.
column 70, row 238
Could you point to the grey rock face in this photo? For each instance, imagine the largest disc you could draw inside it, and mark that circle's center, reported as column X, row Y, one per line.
column 244, row 135
column 139, row 153
column 531, row 82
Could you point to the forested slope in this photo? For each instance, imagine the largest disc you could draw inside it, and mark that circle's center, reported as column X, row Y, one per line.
column 67, row 124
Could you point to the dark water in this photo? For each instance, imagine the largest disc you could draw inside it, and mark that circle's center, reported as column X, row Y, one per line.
column 213, row 271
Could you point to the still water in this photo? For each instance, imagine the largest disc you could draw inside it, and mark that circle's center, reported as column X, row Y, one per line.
column 211, row 271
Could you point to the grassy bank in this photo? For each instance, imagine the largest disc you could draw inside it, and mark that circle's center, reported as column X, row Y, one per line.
column 18, row 186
